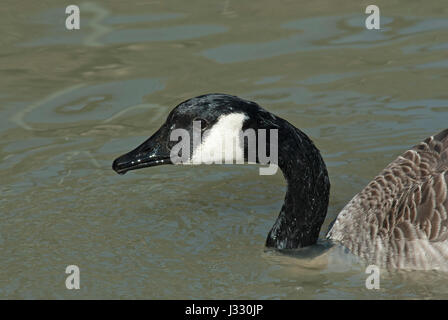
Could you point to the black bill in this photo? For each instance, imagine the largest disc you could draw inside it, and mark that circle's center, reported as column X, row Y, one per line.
column 152, row 152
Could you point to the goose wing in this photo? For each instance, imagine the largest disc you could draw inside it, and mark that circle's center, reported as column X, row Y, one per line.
column 421, row 213
column 400, row 218
column 420, row 210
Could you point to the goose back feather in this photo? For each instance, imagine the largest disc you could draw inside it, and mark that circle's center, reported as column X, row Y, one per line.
column 399, row 220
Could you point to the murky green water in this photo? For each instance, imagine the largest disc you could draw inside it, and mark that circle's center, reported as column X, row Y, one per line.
column 71, row 101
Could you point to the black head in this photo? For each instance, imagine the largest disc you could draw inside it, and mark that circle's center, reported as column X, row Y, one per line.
column 214, row 114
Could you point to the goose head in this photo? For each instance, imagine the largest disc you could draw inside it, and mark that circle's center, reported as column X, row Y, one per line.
column 211, row 128
column 208, row 129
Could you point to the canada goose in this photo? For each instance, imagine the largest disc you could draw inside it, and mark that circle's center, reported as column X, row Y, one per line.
column 399, row 220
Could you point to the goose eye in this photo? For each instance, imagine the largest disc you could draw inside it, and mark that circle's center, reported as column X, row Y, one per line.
column 204, row 123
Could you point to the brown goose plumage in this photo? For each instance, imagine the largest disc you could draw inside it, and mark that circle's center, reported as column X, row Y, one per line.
column 399, row 220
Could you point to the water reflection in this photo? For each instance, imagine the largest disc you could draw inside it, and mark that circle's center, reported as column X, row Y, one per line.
column 88, row 102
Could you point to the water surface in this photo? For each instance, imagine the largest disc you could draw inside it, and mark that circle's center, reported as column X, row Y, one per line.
column 71, row 101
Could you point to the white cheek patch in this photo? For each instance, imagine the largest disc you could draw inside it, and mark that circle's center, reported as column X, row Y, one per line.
column 222, row 143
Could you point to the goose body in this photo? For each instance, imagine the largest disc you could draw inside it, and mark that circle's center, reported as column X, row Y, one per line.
column 399, row 220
